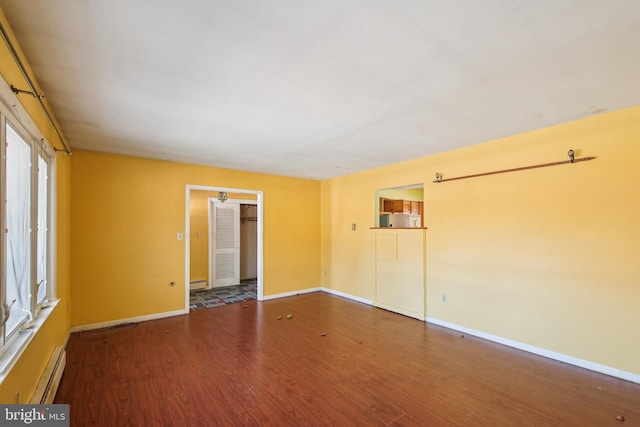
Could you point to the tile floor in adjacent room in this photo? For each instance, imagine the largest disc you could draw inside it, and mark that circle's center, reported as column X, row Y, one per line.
column 216, row 297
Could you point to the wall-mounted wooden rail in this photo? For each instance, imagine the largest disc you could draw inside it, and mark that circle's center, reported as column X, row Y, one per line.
column 439, row 177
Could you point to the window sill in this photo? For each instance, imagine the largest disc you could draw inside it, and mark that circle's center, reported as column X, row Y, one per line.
column 17, row 344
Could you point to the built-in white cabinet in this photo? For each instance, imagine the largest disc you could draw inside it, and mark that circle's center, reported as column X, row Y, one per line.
column 400, row 271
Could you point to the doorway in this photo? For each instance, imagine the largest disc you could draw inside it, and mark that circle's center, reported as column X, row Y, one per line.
column 254, row 198
column 232, row 255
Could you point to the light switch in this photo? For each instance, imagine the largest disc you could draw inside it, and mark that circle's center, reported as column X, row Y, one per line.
column 180, row 235
column 197, row 234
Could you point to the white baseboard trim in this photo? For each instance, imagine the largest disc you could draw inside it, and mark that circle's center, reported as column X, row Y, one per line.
column 66, row 340
column 596, row 367
column 290, row 294
column 345, row 295
column 137, row 319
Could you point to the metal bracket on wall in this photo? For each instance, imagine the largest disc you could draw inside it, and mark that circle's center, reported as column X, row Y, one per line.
column 26, row 92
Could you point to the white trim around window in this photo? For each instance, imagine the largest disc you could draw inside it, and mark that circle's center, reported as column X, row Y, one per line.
column 27, row 238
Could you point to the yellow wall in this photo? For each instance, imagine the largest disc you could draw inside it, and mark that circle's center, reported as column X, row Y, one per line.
column 547, row 257
column 127, row 212
column 24, row 376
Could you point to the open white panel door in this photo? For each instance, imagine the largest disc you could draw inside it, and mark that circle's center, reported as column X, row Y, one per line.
column 225, row 251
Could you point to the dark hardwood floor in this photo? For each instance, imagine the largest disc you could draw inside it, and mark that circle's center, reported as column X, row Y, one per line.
column 335, row 362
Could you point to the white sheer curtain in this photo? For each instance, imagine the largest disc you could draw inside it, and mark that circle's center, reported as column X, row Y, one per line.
column 18, row 211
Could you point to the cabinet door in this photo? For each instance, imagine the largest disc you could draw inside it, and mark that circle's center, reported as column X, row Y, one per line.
column 393, row 206
column 406, row 207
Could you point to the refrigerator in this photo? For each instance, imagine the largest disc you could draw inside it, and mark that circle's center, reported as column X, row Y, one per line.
column 399, row 220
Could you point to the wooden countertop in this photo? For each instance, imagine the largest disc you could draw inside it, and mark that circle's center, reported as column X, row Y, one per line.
column 397, row 228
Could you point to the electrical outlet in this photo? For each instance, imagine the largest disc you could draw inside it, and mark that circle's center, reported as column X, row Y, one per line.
column 444, row 297
column 326, row 273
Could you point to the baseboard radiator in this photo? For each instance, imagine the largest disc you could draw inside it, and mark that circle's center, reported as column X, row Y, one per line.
column 50, row 380
column 197, row 284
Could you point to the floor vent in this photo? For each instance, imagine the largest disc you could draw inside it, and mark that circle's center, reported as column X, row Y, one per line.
column 48, row 385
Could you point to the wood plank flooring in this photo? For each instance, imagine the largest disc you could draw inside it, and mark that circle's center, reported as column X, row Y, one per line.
column 238, row 365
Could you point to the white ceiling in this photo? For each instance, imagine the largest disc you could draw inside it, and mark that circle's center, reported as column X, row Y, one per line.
column 317, row 89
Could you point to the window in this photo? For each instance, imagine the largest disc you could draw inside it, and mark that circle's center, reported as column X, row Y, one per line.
column 400, row 206
column 26, row 239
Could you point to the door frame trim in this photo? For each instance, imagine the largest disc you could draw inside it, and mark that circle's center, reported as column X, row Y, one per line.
column 187, row 235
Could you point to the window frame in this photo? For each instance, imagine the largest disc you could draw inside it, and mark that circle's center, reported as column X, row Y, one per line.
column 47, row 234
column 40, row 149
